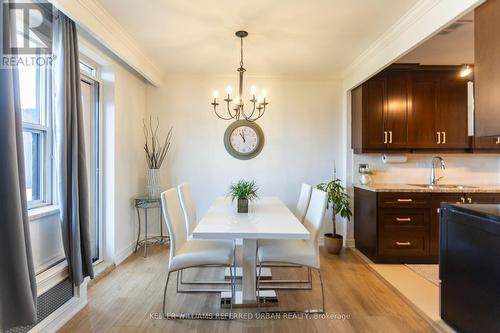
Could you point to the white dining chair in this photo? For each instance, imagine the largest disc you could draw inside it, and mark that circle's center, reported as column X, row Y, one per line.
column 189, row 211
column 298, row 252
column 188, row 253
column 188, row 207
column 303, row 202
column 299, row 212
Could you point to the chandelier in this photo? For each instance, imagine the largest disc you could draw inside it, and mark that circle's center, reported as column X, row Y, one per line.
column 235, row 105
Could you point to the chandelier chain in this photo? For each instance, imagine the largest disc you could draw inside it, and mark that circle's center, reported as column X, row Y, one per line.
column 241, row 52
column 257, row 103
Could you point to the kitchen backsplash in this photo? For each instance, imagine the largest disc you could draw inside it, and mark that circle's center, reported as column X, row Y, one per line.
column 460, row 169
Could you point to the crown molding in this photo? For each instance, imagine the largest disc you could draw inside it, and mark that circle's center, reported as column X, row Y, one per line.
column 91, row 16
column 421, row 22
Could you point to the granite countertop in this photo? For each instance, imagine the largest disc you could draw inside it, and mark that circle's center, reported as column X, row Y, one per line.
column 442, row 188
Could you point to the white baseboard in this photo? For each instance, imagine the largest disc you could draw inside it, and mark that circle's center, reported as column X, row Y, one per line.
column 350, row 242
column 125, row 253
column 62, row 315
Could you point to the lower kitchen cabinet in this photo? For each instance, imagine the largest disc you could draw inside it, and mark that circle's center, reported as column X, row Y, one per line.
column 403, row 227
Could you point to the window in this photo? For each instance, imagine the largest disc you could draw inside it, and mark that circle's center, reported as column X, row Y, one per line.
column 36, row 105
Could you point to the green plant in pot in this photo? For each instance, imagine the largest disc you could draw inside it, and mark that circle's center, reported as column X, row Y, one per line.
column 243, row 191
column 339, row 200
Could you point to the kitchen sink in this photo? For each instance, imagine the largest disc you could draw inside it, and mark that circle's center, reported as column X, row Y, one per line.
column 444, row 186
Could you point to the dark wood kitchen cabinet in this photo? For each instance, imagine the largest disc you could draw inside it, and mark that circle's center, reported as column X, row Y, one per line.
column 487, row 144
column 451, row 117
column 380, row 113
column 425, row 85
column 411, row 107
column 436, row 200
column 487, row 68
column 439, row 109
column 403, row 227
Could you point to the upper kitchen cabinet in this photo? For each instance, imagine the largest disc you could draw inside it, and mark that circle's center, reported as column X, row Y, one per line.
column 487, row 69
column 380, row 113
column 410, row 107
column 439, row 109
column 490, row 143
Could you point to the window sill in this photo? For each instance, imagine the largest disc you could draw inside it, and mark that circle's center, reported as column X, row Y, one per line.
column 40, row 212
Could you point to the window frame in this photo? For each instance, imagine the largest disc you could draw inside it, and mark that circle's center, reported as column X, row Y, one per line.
column 46, row 142
column 94, row 78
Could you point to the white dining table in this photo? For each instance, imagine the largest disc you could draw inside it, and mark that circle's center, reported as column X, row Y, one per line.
column 268, row 218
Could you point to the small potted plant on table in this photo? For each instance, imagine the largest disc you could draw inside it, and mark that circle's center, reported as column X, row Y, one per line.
column 339, row 200
column 244, row 191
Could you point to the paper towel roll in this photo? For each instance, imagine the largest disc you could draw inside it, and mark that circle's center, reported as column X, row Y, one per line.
column 394, row 158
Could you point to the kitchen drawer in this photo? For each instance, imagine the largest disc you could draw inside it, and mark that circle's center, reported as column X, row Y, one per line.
column 405, row 217
column 408, row 242
column 403, row 200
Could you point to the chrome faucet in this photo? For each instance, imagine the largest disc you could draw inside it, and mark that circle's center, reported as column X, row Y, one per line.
column 434, row 180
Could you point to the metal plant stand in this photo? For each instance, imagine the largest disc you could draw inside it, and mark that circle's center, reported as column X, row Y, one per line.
column 148, row 203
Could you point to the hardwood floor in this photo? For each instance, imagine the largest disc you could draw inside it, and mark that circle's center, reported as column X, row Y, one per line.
column 127, row 299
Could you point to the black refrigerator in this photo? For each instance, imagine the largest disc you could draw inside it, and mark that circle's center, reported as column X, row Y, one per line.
column 469, row 267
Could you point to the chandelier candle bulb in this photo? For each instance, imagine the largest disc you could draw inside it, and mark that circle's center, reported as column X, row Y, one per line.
column 216, row 94
column 236, row 110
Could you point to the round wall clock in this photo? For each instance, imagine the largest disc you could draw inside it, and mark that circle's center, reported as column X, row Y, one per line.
column 244, row 139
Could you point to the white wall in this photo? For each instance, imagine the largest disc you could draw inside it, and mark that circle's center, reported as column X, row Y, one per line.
column 302, row 129
column 46, row 240
column 124, row 169
column 130, row 166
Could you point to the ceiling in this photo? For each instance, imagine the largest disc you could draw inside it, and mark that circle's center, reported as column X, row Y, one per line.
column 315, row 38
column 454, row 45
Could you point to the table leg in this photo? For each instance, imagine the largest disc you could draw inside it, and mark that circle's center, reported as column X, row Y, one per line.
column 139, row 230
column 249, row 265
column 145, row 232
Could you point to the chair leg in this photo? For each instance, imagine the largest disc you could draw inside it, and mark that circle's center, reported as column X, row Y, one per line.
column 283, row 284
column 182, row 282
column 187, row 316
column 199, row 290
column 322, row 310
column 258, row 285
column 322, row 292
column 165, row 295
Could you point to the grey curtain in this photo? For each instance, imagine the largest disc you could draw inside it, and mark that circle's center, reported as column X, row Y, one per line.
column 72, row 173
column 17, row 276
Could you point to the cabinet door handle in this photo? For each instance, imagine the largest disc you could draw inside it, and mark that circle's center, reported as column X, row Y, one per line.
column 444, row 137
column 403, row 219
column 439, row 138
column 403, row 243
column 405, row 200
column 469, row 200
column 390, row 136
column 498, row 141
column 385, row 136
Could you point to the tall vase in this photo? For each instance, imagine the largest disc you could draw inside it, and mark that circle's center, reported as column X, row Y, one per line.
column 153, row 183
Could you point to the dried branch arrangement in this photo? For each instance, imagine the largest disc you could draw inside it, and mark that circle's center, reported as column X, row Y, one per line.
column 155, row 151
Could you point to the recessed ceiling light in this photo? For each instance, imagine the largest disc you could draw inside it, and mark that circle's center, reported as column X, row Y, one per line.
column 465, row 71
